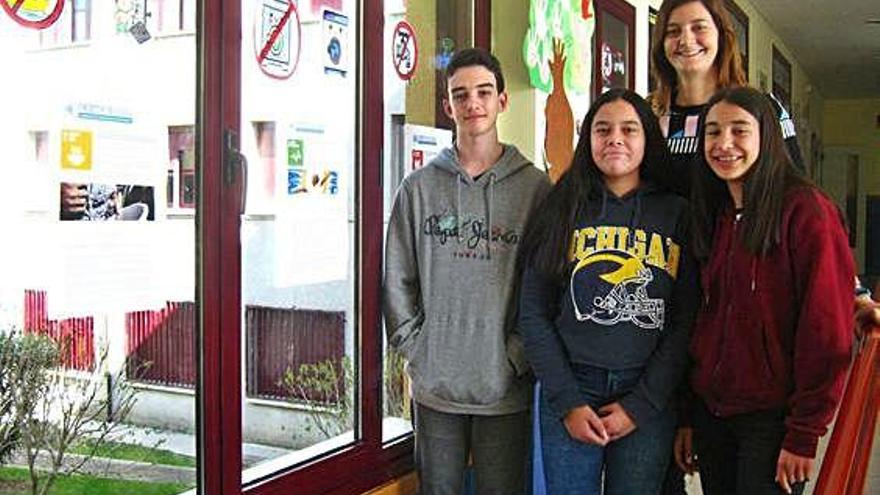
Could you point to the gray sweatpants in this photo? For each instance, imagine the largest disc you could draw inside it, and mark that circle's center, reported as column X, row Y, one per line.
column 498, row 444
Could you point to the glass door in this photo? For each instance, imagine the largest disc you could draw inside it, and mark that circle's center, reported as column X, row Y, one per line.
column 292, row 348
column 299, row 236
column 99, row 209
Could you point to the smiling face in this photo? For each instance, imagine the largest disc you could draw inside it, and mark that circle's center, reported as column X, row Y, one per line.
column 691, row 39
column 733, row 142
column 473, row 101
column 617, row 143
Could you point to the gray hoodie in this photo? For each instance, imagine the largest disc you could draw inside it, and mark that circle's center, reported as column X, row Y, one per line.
column 450, row 289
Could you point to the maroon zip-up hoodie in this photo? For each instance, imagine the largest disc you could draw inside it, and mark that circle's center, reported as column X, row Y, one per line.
column 775, row 331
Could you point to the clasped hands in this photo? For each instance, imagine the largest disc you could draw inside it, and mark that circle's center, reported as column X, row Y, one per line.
column 611, row 423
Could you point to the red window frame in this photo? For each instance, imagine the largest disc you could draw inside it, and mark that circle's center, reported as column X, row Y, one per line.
column 367, row 462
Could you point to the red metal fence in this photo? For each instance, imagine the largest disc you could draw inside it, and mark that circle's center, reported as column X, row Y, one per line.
column 161, row 345
column 75, row 336
column 281, row 339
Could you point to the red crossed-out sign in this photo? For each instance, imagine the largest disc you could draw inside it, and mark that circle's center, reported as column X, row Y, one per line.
column 34, row 14
column 277, row 38
column 404, row 50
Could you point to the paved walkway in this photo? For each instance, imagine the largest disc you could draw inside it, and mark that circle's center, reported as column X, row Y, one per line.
column 179, row 443
column 185, row 444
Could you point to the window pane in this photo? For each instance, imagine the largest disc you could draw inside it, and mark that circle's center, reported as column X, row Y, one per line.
column 615, row 53
column 415, row 130
column 298, row 232
column 100, row 265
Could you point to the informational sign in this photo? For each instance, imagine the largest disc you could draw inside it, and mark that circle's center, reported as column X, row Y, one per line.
column 106, row 163
column 422, row 144
column 310, row 162
column 277, row 38
column 311, row 224
column 335, row 43
column 34, row 14
column 404, row 50
column 108, row 251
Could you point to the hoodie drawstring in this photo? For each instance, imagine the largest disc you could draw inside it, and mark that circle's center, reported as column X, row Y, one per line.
column 490, row 199
column 636, row 216
column 458, row 179
column 489, row 215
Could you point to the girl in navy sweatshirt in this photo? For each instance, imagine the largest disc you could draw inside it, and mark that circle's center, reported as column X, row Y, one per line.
column 772, row 341
column 608, row 298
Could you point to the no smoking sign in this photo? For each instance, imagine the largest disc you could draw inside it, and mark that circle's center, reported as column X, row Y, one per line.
column 277, row 37
column 35, row 14
column 404, row 50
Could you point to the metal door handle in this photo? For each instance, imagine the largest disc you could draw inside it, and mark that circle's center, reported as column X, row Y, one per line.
column 234, row 163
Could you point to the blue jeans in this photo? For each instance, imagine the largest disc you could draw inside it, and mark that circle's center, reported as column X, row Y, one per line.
column 634, row 464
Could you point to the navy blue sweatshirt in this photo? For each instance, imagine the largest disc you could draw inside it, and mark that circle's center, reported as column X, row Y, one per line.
column 628, row 301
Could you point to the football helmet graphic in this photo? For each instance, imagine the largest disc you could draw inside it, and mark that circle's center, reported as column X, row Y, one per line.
column 610, row 287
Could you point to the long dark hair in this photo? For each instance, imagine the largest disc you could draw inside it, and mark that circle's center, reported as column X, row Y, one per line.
column 548, row 234
column 765, row 184
column 728, row 61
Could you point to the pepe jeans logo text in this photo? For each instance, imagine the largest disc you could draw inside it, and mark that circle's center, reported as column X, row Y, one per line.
column 444, row 227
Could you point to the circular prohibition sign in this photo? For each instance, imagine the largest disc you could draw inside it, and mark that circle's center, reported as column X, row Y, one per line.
column 404, row 50
column 33, row 14
column 279, row 65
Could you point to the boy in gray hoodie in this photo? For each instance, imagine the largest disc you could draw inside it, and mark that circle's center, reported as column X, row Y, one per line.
column 450, row 291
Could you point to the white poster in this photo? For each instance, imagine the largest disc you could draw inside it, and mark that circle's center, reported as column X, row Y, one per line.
column 105, row 252
column 312, row 220
column 422, row 144
column 110, row 164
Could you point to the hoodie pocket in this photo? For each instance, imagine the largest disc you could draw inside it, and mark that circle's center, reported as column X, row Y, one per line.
column 462, row 364
column 746, row 371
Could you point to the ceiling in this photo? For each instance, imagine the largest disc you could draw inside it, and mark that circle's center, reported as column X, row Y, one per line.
column 832, row 41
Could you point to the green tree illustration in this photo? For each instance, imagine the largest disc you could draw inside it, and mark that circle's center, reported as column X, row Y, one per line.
column 572, row 22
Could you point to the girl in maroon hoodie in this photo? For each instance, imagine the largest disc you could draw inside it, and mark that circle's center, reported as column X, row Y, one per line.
column 771, row 346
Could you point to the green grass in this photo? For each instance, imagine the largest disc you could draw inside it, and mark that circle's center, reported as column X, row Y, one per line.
column 87, row 485
column 131, row 452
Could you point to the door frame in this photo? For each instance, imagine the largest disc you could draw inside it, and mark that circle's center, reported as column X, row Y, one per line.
column 218, row 261
column 367, row 462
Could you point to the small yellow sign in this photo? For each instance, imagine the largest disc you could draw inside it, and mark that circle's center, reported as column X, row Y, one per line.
column 32, row 5
column 76, row 149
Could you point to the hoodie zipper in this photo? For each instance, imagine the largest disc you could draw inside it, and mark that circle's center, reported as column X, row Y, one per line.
column 728, row 308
